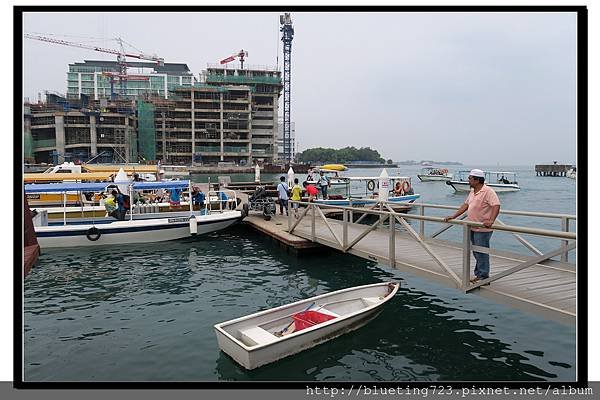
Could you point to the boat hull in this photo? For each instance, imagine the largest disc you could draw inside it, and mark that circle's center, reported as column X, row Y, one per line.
column 230, row 334
column 464, row 187
column 364, row 202
column 429, row 178
column 136, row 231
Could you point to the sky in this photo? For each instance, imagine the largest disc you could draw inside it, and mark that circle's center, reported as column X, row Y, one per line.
column 478, row 88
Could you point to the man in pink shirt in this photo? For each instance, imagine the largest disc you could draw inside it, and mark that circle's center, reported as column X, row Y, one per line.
column 483, row 206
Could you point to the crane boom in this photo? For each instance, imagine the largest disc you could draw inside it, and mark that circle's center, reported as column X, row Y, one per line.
column 119, row 53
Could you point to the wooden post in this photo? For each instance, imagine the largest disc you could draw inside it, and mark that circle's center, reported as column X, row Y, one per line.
column 345, row 230
column 313, row 230
column 289, row 215
column 392, row 247
column 466, row 256
column 564, row 226
column 422, row 223
column 351, row 211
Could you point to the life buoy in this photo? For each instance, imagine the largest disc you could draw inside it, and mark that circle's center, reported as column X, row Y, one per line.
column 93, row 234
column 405, row 186
column 371, row 185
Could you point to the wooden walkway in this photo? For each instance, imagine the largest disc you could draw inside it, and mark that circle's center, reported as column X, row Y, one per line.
column 547, row 288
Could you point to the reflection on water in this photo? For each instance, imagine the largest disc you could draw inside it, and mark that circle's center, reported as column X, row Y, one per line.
column 146, row 312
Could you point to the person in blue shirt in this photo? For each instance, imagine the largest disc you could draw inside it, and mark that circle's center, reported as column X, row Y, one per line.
column 119, row 212
column 198, row 196
column 282, row 195
column 175, row 197
column 323, row 183
column 224, row 198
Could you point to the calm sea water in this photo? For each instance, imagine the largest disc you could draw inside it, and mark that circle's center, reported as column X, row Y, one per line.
column 145, row 312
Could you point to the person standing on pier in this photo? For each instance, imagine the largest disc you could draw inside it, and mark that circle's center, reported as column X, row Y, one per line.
column 282, row 195
column 483, row 206
column 323, row 183
column 296, row 196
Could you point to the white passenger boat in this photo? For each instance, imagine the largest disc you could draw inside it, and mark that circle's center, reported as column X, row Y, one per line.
column 270, row 335
column 572, row 173
column 138, row 228
column 331, row 171
column 363, row 191
column 500, row 181
column 434, row 174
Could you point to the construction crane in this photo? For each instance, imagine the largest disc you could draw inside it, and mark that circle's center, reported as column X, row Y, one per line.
column 121, row 55
column 287, row 36
column 240, row 54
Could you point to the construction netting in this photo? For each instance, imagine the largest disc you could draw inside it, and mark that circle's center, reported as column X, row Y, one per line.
column 146, row 131
column 27, row 146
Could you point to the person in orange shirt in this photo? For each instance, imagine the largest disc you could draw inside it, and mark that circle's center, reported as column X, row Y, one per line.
column 483, row 206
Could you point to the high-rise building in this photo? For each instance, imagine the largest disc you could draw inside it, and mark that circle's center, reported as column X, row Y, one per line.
column 230, row 117
column 280, row 144
column 99, row 79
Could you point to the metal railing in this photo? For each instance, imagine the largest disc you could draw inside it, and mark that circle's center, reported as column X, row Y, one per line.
column 385, row 213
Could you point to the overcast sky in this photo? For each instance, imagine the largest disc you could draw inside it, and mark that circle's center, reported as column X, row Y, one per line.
column 479, row 88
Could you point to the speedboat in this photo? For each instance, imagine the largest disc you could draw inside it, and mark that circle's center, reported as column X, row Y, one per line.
column 267, row 336
column 500, row 181
column 135, row 228
column 434, row 174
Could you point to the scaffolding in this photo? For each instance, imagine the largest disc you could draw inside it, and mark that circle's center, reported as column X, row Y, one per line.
column 146, row 130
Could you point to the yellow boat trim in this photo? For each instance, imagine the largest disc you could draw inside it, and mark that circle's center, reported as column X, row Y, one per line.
column 58, row 177
column 115, row 168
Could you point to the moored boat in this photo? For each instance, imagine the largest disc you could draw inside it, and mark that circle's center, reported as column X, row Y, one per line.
column 500, row 181
column 141, row 228
column 434, row 174
column 267, row 336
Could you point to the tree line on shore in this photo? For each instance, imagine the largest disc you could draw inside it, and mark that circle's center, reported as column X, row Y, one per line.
column 345, row 155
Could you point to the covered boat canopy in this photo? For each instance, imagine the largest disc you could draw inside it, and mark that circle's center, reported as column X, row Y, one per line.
column 47, row 177
column 99, row 187
column 129, row 168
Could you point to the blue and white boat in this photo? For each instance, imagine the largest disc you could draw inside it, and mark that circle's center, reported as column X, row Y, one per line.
column 363, row 191
column 136, row 228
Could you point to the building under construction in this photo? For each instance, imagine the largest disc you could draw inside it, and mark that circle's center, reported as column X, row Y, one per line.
column 230, row 118
column 71, row 130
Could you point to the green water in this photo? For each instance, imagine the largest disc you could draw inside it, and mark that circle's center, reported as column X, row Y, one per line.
column 145, row 313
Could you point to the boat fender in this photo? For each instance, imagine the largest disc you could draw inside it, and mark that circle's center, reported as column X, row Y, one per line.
column 245, row 210
column 405, row 186
column 193, row 226
column 93, row 234
column 371, row 185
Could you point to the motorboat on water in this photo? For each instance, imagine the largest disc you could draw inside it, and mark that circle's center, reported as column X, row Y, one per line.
column 134, row 228
column 434, row 174
column 572, row 173
column 270, row 335
column 331, row 171
column 363, row 191
column 500, row 181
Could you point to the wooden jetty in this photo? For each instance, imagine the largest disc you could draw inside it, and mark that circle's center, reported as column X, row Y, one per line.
column 533, row 282
column 552, row 169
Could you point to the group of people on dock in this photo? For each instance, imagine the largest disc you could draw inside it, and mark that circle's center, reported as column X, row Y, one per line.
column 284, row 192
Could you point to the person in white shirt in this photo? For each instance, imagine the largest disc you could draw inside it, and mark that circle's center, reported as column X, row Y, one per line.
column 282, row 195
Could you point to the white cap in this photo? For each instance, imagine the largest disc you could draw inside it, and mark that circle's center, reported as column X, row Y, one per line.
column 477, row 172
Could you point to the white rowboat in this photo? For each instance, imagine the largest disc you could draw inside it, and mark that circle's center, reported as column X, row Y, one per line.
column 270, row 335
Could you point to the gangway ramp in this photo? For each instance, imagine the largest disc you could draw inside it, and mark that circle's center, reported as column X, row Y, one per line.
column 531, row 282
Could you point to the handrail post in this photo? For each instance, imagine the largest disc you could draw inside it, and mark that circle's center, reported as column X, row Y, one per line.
column 466, row 256
column 564, row 226
column 345, row 230
column 422, row 223
column 392, row 249
column 351, row 211
column 313, row 230
column 289, row 215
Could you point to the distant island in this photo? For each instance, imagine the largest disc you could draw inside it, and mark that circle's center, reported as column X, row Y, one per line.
column 347, row 155
column 432, row 162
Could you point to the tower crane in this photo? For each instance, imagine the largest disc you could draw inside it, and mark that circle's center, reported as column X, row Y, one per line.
column 240, row 54
column 121, row 56
column 287, row 30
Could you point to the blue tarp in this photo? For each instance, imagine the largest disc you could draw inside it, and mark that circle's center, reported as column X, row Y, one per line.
column 99, row 187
